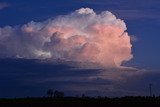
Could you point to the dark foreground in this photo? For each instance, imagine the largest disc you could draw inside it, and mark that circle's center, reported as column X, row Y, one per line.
column 81, row 102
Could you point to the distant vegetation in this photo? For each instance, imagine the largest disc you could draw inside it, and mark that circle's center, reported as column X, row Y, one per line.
column 85, row 101
column 57, row 99
column 55, row 94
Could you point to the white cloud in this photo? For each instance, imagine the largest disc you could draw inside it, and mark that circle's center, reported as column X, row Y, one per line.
column 81, row 36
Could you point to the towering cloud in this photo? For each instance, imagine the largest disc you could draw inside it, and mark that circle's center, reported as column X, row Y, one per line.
column 81, row 36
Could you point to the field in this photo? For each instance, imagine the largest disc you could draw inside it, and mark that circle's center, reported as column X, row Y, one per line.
column 80, row 102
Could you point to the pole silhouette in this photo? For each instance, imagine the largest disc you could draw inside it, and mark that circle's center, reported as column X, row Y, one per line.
column 150, row 90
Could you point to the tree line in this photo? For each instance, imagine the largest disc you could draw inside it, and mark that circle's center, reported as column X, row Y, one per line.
column 55, row 94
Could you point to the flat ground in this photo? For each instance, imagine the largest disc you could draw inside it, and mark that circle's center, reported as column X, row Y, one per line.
column 77, row 102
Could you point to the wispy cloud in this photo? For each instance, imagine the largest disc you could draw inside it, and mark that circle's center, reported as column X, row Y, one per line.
column 128, row 9
column 3, row 5
column 133, row 14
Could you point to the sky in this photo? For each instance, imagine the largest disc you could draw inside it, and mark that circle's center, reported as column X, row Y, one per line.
column 28, row 68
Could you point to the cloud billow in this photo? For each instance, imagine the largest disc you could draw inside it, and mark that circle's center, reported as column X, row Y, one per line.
column 81, row 36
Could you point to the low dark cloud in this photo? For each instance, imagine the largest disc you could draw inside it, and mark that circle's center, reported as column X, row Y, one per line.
column 23, row 77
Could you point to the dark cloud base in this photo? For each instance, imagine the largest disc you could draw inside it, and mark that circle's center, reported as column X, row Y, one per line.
column 31, row 77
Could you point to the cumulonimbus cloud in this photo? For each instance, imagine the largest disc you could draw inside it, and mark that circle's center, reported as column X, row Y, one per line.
column 81, row 36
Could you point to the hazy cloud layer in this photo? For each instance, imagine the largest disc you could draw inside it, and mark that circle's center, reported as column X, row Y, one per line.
column 3, row 5
column 128, row 9
column 34, row 78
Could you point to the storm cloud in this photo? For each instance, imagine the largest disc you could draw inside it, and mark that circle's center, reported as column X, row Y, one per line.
column 81, row 36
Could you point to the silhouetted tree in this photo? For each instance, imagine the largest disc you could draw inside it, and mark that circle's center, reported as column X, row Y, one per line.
column 58, row 94
column 50, row 93
column 83, row 95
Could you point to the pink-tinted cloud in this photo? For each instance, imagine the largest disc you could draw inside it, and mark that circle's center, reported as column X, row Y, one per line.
column 81, row 36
